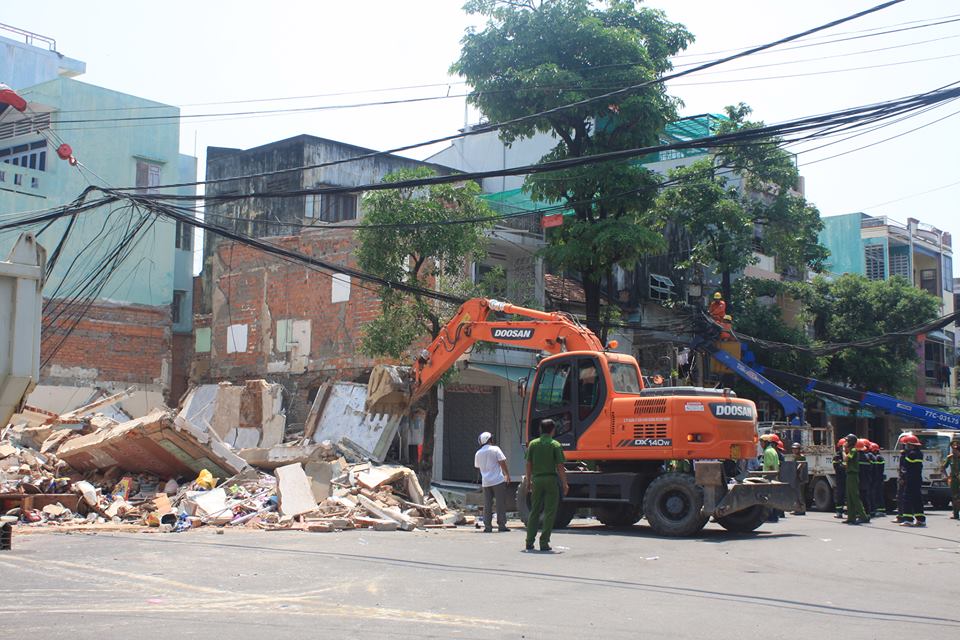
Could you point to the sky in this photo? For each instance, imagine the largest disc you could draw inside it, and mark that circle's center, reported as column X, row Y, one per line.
column 215, row 57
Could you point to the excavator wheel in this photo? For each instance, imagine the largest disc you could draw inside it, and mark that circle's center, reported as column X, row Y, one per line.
column 618, row 515
column 672, row 505
column 746, row 520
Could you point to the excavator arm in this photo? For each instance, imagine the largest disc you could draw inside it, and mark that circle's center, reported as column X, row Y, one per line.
column 538, row 330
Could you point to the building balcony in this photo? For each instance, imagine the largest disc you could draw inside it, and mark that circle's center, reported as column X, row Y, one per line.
column 23, row 180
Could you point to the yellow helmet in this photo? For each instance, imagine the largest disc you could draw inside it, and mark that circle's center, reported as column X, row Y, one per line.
column 718, row 296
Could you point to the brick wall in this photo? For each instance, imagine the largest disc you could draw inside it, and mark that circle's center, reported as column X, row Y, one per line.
column 180, row 359
column 113, row 345
column 269, row 301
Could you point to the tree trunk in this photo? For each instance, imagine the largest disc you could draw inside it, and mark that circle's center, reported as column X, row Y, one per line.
column 726, row 288
column 425, row 467
column 591, row 291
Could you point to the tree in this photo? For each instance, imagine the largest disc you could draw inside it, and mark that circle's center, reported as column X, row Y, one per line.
column 533, row 56
column 429, row 257
column 847, row 309
column 741, row 199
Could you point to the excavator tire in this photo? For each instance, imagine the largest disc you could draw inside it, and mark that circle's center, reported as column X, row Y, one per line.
column 566, row 511
column 745, row 521
column 618, row 516
column 822, row 495
column 672, row 505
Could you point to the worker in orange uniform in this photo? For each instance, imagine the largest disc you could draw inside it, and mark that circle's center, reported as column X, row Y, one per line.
column 717, row 308
column 726, row 334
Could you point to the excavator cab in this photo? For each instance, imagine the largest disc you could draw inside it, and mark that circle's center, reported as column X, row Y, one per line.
column 573, row 389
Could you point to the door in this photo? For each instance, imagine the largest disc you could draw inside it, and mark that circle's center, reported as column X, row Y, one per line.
column 571, row 392
column 468, row 411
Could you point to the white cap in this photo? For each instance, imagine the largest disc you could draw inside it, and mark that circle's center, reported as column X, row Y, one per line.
column 485, row 437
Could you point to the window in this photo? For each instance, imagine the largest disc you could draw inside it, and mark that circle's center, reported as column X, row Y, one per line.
column 237, row 338
column 900, row 262
column 148, row 176
column 32, row 155
column 340, row 288
column 661, row 287
column 625, row 379
column 333, row 207
column 553, row 391
column 176, row 307
column 947, row 273
column 201, row 340
column 24, row 126
column 875, row 264
column 928, row 281
column 588, row 387
column 184, row 237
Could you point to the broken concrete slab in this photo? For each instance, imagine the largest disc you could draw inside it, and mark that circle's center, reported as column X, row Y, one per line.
column 242, row 416
column 344, row 421
column 294, row 491
column 321, row 476
column 157, row 443
column 386, row 513
column 280, row 455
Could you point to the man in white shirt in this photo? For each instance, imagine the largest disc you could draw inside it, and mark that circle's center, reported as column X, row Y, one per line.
column 494, row 478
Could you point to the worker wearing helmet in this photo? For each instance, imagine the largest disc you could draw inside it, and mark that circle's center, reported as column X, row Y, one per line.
column 866, row 474
column 771, row 462
column 726, row 334
column 902, row 480
column 879, row 464
column 494, row 478
column 717, row 308
column 855, row 511
column 840, row 473
column 951, row 468
column 801, row 461
column 912, row 492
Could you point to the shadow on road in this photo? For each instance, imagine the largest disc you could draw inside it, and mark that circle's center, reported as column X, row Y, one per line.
column 644, row 531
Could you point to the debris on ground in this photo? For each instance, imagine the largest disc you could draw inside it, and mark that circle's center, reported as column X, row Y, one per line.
column 217, row 462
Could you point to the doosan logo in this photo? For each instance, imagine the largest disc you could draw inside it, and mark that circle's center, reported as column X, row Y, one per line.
column 513, row 334
column 732, row 411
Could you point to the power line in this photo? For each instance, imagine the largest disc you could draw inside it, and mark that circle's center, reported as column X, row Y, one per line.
column 566, row 107
column 913, row 195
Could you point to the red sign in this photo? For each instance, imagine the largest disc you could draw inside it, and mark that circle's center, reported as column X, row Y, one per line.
column 555, row 220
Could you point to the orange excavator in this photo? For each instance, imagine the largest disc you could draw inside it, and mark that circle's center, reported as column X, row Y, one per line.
column 670, row 455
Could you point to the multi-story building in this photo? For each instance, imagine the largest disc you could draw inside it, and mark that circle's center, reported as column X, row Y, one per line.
column 879, row 248
column 129, row 332
column 260, row 316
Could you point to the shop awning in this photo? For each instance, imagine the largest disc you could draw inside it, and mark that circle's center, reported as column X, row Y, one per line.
column 513, row 374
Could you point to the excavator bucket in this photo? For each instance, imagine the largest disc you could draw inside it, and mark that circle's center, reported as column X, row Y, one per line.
column 388, row 391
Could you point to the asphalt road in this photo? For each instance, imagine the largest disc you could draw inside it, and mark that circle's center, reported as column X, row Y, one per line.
column 801, row 578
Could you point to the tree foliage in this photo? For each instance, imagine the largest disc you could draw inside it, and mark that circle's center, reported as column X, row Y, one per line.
column 847, row 309
column 433, row 256
column 534, row 56
column 741, row 199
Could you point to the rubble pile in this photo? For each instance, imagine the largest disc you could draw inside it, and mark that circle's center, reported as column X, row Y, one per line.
column 173, row 472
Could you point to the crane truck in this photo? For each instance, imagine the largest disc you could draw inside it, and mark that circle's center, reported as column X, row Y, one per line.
column 936, row 429
column 617, row 436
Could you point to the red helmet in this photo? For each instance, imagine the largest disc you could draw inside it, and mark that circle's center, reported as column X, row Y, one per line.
column 863, row 444
column 874, row 447
column 909, row 438
column 841, row 442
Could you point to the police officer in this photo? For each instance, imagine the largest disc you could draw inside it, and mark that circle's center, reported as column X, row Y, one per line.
column 912, row 486
column 879, row 463
column 544, row 465
column 840, row 473
column 866, row 474
column 951, row 468
column 855, row 511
